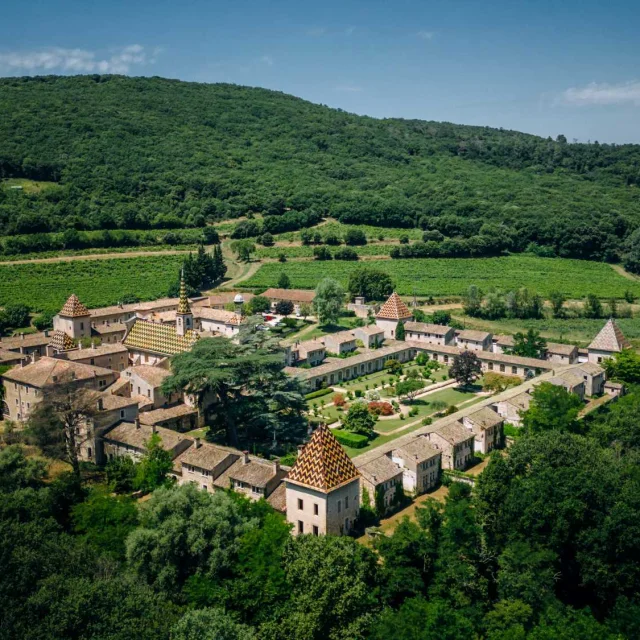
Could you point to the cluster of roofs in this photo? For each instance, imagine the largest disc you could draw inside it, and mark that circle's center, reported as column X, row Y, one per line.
column 323, row 491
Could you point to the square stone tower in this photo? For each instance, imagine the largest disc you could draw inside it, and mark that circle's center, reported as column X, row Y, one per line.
column 391, row 313
column 323, row 488
column 73, row 319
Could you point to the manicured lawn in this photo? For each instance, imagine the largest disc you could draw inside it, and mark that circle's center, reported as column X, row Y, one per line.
column 345, row 324
column 452, row 276
column 380, row 440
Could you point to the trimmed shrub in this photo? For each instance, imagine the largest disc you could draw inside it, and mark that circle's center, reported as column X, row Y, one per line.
column 339, row 400
column 348, row 439
column 319, row 393
column 380, row 408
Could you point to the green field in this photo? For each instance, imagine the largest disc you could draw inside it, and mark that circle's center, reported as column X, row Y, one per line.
column 96, row 282
column 374, row 234
column 299, row 251
column 452, row 276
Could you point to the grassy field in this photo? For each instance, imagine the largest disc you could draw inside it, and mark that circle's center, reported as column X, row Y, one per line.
column 28, row 186
column 96, row 282
column 452, row 276
column 299, row 251
column 374, row 234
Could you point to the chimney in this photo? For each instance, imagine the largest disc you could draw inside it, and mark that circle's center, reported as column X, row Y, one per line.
column 93, row 344
column 154, row 428
column 245, row 457
column 137, row 422
column 276, row 466
column 22, row 336
column 46, row 333
column 300, row 449
column 373, row 478
column 198, row 443
column 80, row 345
column 100, row 404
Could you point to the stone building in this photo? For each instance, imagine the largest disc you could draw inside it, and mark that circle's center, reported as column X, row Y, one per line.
column 456, row 444
column 73, row 319
column 109, row 356
column 486, row 426
column 391, row 313
column 511, row 409
column 420, row 462
column 471, row 340
column 340, row 342
column 252, row 476
column 382, row 478
column 297, row 297
column 25, row 386
column 429, row 333
column 371, row 336
column 322, row 488
column 608, row 342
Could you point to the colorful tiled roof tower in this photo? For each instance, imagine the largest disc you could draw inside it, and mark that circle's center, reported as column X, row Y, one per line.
column 610, row 339
column 323, row 464
column 158, row 338
column 183, row 302
column 394, row 309
column 61, row 341
column 73, row 308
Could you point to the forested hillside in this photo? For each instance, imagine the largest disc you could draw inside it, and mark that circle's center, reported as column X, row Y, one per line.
column 138, row 153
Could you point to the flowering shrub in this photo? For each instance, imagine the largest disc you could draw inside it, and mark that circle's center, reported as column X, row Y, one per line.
column 339, row 400
column 380, row 408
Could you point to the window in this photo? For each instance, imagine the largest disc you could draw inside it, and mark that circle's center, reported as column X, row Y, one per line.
column 82, row 326
column 300, row 504
column 93, row 361
column 491, row 366
column 89, row 453
column 339, row 506
column 315, row 509
column 204, row 486
column 346, row 502
column 315, row 530
column 346, row 524
column 148, row 393
column 122, row 413
column 514, row 369
column 502, row 367
column 300, row 526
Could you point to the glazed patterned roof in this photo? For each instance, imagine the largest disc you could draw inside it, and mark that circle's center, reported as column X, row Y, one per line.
column 158, row 338
column 323, row 463
column 73, row 308
column 610, row 338
column 61, row 341
column 394, row 309
column 183, row 302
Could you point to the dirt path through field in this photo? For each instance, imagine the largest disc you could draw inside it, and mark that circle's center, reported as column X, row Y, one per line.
column 625, row 274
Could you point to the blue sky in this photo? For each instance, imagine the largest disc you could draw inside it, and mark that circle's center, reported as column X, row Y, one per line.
column 544, row 67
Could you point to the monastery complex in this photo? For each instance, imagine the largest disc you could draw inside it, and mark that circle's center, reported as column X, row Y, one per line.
column 122, row 355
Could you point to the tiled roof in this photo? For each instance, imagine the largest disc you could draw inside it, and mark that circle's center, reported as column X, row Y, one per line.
column 561, row 349
column 112, row 327
column 26, row 340
column 295, row 295
column 323, row 464
column 278, row 498
column 61, row 341
column 206, row 456
column 425, row 327
column 257, row 472
column 137, row 436
column 158, row 416
column 150, row 374
column 371, row 330
column 572, row 378
column 339, row 337
column 183, row 302
column 217, row 315
column 610, row 339
column 453, row 433
column 474, row 336
column 46, row 371
column 394, row 309
column 503, row 340
column 380, row 470
column 73, row 308
column 521, row 401
column 7, row 356
column 485, row 418
column 105, row 349
column 158, row 338
column 590, row 368
column 418, row 450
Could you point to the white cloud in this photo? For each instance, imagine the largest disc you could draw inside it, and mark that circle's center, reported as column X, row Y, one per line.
column 120, row 60
column 350, row 88
column 602, row 94
column 268, row 60
column 426, row 35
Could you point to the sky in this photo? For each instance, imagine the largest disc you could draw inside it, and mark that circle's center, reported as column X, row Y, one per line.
column 546, row 67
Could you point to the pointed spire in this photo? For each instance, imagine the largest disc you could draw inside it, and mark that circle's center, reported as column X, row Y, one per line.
column 394, row 309
column 183, row 304
column 73, row 308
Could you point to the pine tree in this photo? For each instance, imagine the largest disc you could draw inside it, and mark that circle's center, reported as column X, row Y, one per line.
column 219, row 267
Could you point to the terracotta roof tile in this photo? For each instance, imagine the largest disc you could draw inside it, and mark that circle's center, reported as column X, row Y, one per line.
column 394, row 309
column 295, row 295
column 46, row 371
column 610, row 338
column 61, row 341
column 73, row 308
column 158, row 338
column 323, row 463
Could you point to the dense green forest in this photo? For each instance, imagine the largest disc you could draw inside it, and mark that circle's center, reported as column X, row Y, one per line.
column 545, row 547
column 113, row 152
